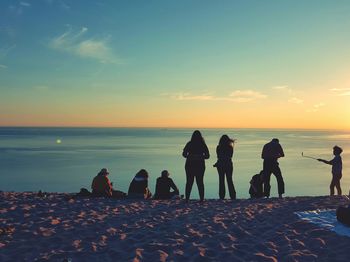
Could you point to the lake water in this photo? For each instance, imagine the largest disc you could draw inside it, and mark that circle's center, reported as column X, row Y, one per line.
column 66, row 159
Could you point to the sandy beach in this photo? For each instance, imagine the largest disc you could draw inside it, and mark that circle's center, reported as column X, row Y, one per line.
column 54, row 228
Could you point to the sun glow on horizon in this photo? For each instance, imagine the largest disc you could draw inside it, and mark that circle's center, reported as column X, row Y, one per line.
column 170, row 64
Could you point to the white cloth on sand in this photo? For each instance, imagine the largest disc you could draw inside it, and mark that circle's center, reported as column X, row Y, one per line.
column 325, row 218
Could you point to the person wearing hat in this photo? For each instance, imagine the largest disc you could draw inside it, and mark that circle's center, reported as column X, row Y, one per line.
column 164, row 185
column 270, row 153
column 101, row 186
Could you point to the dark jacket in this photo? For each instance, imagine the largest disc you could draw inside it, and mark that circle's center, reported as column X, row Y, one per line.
column 163, row 187
column 195, row 152
column 139, row 188
column 272, row 151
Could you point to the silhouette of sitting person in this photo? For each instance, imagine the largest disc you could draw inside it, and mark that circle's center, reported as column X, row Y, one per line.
column 164, row 185
column 256, row 186
column 102, row 187
column 139, row 186
column 270, row 153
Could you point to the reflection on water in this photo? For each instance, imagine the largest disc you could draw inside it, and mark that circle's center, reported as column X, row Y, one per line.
column 31, row 158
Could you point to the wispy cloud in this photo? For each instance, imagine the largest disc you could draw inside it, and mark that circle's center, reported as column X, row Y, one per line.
column 295, row 100
column 4, row 51
column 345, row 94
column 246, row 95
column 341, row 91
column 60, row 3
column 19, row 8
column 283, row 87
column 240, row 96
column 316, row 107
column 25, row 4
column 75, row 43
column 188, row 96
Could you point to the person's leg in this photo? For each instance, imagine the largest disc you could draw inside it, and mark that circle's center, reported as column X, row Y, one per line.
column 331, row 186
column 280, row 183
column 229, row 179
column 189, row 181
column 173, row 194
column 266, row 177
column 200, row 182
column 221, row 173
column 337, row 186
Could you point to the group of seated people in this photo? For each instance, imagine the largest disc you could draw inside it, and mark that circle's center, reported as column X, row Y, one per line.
column 138, row 188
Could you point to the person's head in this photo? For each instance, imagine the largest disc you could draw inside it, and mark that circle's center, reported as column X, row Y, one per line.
column 226, row 140
column 275, row 140
column 337, row 150
column 197, row 137
column 165, row 173
column 142, row 173
column 103, row 172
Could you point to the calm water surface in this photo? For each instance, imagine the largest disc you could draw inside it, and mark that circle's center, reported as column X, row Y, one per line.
column 66, row 159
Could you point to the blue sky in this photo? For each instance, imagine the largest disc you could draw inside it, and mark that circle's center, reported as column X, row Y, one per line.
column 165, row 63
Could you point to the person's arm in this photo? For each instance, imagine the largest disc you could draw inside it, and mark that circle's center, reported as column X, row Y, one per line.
column 325, row 161
column 108, row 186
column 231, row 152
column 156, row 193
column 174, row 187
column 263, row 152
column 93, row 184
column 281, row 153
column 206, row 152
column 185, row 152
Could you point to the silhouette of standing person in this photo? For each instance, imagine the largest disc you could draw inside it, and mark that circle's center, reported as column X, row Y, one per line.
column 195, row 152
column 270, row 153
column 224, row 165
column 337, row 166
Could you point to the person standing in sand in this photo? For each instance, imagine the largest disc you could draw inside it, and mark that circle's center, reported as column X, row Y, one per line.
column 224, row 165
column 195, row 152
column 270, row 153
column 337, row 167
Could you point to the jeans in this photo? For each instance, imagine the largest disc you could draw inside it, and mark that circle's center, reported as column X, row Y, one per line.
column 226, row 170
column 272, row 166
column 195, row 169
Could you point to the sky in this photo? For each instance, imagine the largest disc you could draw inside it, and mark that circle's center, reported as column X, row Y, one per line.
column 183, row 63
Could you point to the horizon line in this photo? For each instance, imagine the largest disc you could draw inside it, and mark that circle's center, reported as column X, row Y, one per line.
column 179, row 127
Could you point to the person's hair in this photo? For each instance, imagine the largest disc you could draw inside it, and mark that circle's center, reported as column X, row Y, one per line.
column 275, row 140
column 103, row 172
column 197, row 138
column 142, row 173
column 165, row 173
column 338, row 150
column 225, row 140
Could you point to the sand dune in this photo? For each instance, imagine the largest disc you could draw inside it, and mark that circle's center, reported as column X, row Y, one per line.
column 53, row 228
